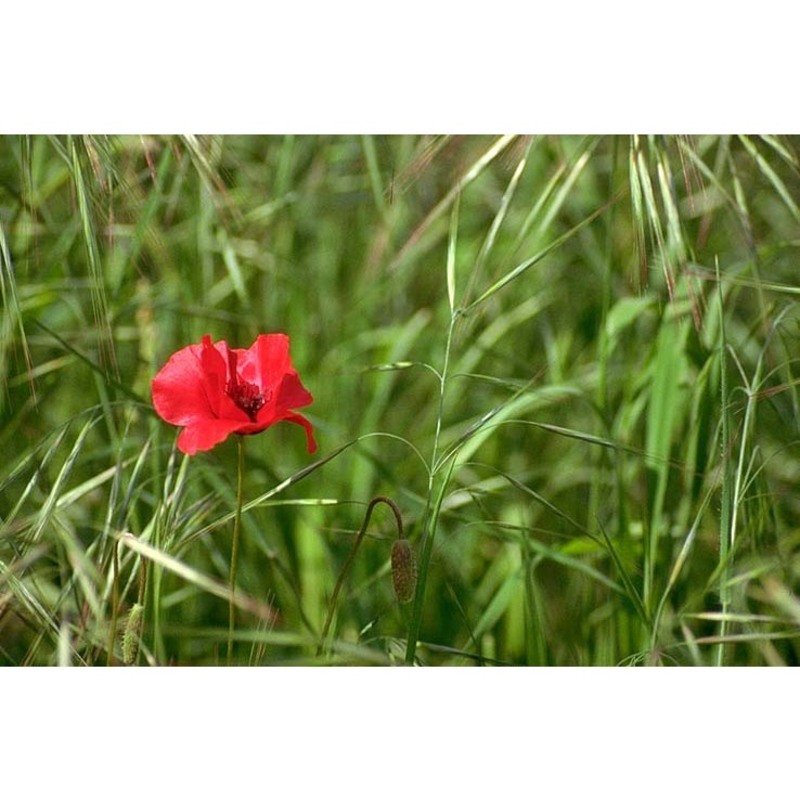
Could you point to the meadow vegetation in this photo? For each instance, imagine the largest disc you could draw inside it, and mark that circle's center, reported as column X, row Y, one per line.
column 568, row 361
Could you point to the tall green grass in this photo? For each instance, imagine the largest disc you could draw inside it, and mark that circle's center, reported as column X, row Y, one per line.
column 569, row 361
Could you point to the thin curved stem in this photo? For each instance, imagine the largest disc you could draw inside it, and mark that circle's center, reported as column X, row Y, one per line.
column 359, row 538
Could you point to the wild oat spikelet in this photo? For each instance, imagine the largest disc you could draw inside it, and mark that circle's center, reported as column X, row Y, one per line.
column 131, row 634
column 404, row 571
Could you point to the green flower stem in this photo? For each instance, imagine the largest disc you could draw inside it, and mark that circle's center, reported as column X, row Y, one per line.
column 726, row 507
column 237, row 524
column 432, row 507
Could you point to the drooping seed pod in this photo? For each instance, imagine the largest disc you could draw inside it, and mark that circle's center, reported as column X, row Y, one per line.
column 404, row 571
column 131, row 634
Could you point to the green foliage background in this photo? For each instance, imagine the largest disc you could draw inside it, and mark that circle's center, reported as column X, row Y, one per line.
column 569, row 360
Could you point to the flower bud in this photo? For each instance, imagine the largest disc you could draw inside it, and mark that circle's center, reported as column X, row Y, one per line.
column 131, row 634
column 404, row 571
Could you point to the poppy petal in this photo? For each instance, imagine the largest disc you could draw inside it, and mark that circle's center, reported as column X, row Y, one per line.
column 215, row 361
column 215, row 373
column 270, row 353
column 291, row 393
column 301, row 420
column 179, row 394
column 206, row 434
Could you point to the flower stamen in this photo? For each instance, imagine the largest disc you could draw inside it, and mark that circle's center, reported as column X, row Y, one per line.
column 247, row 396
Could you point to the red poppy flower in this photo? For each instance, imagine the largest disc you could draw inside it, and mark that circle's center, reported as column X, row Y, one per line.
column 213, row 391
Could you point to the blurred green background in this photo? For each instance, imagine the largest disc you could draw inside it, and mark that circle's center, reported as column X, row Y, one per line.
column 603, row 330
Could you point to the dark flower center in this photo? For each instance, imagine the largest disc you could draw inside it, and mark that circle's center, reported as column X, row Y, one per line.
column 247, row 396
